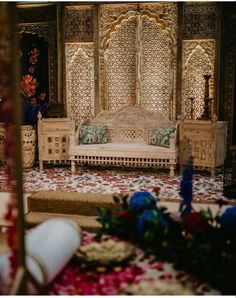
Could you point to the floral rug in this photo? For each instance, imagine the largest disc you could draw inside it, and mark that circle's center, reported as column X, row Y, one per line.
column 205, row 188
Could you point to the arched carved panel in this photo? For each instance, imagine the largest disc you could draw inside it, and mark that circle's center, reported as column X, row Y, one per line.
column 198, row 60
column 119, row 59
column 80, row 81
column 137, row 64
column 110, row 13
column 157, row 67
column 168, row 12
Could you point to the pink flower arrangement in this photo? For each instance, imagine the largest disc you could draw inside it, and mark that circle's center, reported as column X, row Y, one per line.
column 34, row 100
column 29, row 83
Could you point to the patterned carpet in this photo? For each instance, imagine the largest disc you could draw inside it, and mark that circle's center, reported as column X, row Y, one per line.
column 205, row 188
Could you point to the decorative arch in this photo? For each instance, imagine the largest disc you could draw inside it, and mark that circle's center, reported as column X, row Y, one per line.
column 117, row 23
column 80, row 81
column 114, row 26
column 125, row 65
column 198, row 60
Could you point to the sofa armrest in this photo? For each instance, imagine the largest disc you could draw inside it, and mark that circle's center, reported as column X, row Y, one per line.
column 173, row 141
column 72, row 140
column 77, row 131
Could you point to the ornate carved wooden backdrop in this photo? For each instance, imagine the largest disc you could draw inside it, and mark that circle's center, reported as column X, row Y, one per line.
column 199, row 48
column 79, row 58
column 80, row 81
column 138, row 56
column 126, row 53
column 198, row 59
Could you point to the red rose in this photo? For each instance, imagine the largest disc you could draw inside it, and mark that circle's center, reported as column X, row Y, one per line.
column 156, row 190
column 42, row 96
column 35, row 52
column 33, row 59
column 193, row 222
column 31, row 69
column 126, row 216
column 33, row 101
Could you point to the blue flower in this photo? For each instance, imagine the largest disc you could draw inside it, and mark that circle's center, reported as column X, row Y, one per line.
column 228, row 219
column 142, row 200
column 186, row 188
column 150, row 219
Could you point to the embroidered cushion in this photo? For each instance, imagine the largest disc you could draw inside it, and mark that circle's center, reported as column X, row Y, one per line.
column 161, row 137
column 93, row 135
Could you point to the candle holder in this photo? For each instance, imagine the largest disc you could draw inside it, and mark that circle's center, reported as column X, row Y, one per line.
column 206, row 115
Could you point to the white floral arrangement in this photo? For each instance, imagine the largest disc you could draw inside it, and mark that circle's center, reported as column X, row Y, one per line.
column 105, row 252
column 158, row 287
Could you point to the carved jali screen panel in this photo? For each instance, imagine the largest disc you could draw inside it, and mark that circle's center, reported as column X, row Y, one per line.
column 156, row 68
column 80, row 81
column 199, row 56
column 198, row 60
column 119, row 62
column 137, row 64
column 79, row 62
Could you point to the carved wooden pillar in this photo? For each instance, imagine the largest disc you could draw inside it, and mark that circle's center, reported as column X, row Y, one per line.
column 138, row 50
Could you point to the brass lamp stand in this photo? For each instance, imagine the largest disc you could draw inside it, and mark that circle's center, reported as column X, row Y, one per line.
column 206, row 115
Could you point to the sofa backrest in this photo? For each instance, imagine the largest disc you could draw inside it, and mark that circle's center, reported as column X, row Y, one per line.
column 131, row 124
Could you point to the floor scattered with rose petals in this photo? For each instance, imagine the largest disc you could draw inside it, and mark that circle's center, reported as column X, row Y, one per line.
column 205, row 188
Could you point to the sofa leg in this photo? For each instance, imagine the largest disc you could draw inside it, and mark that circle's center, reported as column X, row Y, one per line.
column 213, row 172
column 40, row 165
column 172, row 171
column 72, row 166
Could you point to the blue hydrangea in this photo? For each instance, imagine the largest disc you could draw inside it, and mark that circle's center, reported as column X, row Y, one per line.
column 142, row 200
column 228, row 219
column 150, row 219
column 186, row 188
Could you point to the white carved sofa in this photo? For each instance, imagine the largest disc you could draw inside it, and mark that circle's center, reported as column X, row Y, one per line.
column 130, row 129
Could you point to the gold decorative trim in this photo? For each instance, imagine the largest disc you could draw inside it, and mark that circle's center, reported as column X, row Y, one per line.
column 40, row 264
column 161, row 23
column 78, row 7
column 114, row 27
column 75, row 227
column 23, row 5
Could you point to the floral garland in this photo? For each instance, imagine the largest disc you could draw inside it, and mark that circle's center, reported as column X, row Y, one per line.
column 199, row 242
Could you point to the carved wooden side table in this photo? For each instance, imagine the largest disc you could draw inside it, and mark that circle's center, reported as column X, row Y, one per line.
column 205, row 140
column 53, row 139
